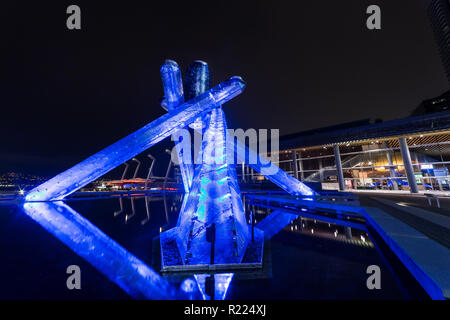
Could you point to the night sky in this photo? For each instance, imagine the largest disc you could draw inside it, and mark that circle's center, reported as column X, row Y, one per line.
column 67, row 94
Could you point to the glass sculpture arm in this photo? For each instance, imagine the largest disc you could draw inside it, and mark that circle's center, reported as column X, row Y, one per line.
column 172, row 85
column 174, row 97
column 272, row 172
column 107, row 159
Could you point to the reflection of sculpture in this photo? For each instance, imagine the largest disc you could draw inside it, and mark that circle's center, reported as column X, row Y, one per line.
column 89, row 242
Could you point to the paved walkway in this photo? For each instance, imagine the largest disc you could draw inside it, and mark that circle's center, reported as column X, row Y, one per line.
column 434, row 225
column 402, row 192
column 419, row 237
column 416, row 200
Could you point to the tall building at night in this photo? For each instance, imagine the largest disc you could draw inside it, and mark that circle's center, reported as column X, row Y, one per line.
column 439, row 13
column 437, row 104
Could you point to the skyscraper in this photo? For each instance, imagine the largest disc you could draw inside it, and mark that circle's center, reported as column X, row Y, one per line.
column 439, row 13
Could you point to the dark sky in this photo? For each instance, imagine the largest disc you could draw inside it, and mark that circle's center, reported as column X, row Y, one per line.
column 66, row 94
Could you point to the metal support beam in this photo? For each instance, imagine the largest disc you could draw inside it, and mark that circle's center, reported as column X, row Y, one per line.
column 391, row 170
column 300, row 166
column 408, row 165
column 320, row 170
column 348, row 232
column 340, row 174
column 294, row 162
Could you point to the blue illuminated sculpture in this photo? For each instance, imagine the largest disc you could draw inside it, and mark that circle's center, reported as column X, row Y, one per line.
column 213, row 199
column 211, row 228
column 107, row 159
column 174, row 97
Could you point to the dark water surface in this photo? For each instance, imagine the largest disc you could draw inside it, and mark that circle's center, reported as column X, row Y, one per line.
column 300, row 264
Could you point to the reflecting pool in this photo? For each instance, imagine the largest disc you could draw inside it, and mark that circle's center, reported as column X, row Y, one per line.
column 308, row 259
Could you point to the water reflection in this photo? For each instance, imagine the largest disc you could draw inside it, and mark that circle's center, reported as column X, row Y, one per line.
column 321, row 229
column 171, row 206
column 214, row 286
column 203, row 286
column 89, row 242
column 147, row 217
column 311, row 227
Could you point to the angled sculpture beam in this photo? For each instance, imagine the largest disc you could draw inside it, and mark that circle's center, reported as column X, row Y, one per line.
column 107, row 159
column 271, row 171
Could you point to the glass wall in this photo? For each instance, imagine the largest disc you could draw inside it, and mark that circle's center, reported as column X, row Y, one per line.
column 375, row 164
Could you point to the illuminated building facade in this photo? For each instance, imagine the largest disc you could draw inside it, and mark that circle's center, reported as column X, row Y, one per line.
column 410, row 154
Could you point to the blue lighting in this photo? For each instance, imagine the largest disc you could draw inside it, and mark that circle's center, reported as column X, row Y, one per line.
column 196, row 82
column 281, row 178
column 222, row 181
column 212, row 193
column 100, row 163
column 221, row 284
column 172, row 84
column 218, row 203
column 173, row 93
column 90, row 243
